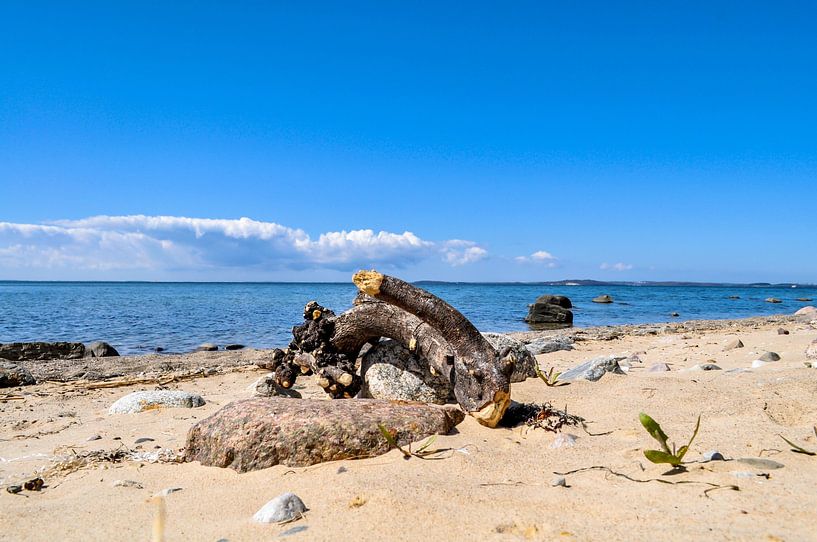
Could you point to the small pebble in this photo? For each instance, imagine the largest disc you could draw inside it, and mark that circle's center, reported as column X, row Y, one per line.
column 704, row 367
column 770, row 356
column 782, row 331
column 126, row 483
column 658, row 368
column 743, row 474
column 93, row 437
column 713, row 455
column 758, row 363
column 167, row 491
column 565, row 440
column 341, row 470
column 559, row 481
column 140, row 440
column 14, row 489
column 35, row 484
column 285, row 507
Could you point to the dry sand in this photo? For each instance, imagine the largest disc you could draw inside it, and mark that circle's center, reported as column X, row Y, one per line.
column 495, row 486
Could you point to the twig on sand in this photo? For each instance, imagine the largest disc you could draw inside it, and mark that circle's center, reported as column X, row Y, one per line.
column 712, row 487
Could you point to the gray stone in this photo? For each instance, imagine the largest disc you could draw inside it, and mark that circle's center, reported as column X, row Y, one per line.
column 550, row 310
column 391, row 371
column 704, row 367
column 782, row 331
column 806, row 314
column 564, row 440
column 603, row 299
column 127, row 483
column 234, row 347
column 811, row 350
column 713, row 455
column 770, row 356
column 546, row 345
column 525, row 362
column 760, row 463
column 146, row 400
column 41, row 351
column 100, row 349
column 594, row 369
column 758, row 363
column 286, row 507
column 13, row 375
column 207, row 347
column 93, row 437
column 559, row 481
column 658, row 368
column 773, row 300
column 267, row 387
column 804, row 299
column 731, row 345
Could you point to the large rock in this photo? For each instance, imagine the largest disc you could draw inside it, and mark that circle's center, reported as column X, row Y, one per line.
column 391, row 371
column 525, row 362
column 546, row 345
column 41, row 351
column 100, row 349
column 550, row 309
column 806, row 314
column 13, row 375
column 594, row 369
column 603, row 299
column 259, row 433
column 139, row 401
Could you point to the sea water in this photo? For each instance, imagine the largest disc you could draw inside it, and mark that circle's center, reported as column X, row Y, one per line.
column 136, row 317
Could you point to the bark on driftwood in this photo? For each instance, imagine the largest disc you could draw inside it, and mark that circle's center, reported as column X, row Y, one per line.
column 328, row 345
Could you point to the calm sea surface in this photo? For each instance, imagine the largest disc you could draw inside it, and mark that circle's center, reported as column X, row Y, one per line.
column 137, row 317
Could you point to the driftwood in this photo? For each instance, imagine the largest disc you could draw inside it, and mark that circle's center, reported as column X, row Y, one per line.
column 328, row 345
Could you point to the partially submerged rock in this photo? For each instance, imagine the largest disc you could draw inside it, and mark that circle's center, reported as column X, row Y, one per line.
column 41, row 351
column 258, row 433
column 773, row 300
column 603, row 299
column 100, row 349
column 139, row 401
column 525, row 362
column 207, row 347
column 13, row 375
column 551, row 310
column 594, row 369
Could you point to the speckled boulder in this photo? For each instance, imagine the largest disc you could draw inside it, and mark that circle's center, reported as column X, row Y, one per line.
column 139, row 401
column 41, row 351
column 391, row 371
column 258, row 433
column 13, row 375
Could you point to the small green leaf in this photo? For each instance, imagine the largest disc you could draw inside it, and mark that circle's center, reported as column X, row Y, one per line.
column 797, row 448
column 683, row 450
column 428, row 443
column 657, row 456
column 655, row 431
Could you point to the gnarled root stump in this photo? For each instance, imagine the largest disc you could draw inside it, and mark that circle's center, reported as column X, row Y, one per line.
column 328, row 345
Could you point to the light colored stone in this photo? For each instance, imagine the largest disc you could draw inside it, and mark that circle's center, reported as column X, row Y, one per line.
column 147, row 400
column 731, row 345
column 760, row 463
column 391, row 371
column 594, row 369
column 267, row 387
column 546, row 345
column 659, row 368
column 603, row 299
column 770, row 356
column 811, row 350
column 758, row 363
column 285, row 507
column 127, row 483
column 704, row 367
column 564, row 440
column 559, row 481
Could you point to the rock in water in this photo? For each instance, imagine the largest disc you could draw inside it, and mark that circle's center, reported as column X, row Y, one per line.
column 770, row 356
column 550, row 309
column 804, row 299
column 100, row 349
column 525, row 362
column 207, row 347
column 234, row 347
column 603, row 299
column 391, row 371
column 13, row 375
column 773, row 300
column 147, row 400
column 731, row 345
column 258, row 433
column 286, row 507
column 594, row 369
column 546, row 345
column 41, row 351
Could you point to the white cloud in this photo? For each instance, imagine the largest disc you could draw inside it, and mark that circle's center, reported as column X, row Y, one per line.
column 615, row 266
column 540, row 257
column 179, row 243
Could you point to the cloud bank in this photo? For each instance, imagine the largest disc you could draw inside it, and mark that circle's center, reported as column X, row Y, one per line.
column 541, row 257
column 169, row 243
column 615, row 266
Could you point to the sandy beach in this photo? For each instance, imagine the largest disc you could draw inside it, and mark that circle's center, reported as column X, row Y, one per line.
column 494, row 484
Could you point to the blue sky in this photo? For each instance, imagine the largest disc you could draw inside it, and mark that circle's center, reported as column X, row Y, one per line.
column 477, row 141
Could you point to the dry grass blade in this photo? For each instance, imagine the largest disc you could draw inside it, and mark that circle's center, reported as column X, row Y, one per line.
column 422, row 452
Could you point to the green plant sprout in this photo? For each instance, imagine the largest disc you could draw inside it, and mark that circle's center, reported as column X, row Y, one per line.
column 797, row 448
column 665, row 454
column 422, row 452
column 550, row 378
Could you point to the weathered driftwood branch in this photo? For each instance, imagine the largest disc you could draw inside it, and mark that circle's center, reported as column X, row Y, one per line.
column 481, row 380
